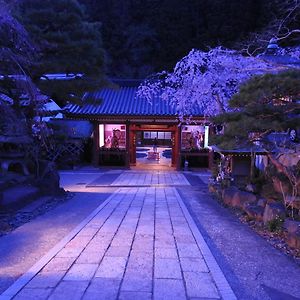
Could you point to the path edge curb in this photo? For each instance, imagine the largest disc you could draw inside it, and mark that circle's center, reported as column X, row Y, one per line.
column 218, row 276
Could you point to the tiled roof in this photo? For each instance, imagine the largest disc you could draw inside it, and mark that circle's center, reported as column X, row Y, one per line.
column 123, row 101
column 243, row 150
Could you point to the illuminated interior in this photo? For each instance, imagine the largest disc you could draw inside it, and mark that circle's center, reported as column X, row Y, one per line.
column 194, row 137
column 112, row 136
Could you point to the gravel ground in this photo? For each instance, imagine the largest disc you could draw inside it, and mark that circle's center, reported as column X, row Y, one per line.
column 253, row 267
column 10, row 219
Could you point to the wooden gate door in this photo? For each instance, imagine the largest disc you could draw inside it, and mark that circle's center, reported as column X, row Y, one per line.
column 175, row 147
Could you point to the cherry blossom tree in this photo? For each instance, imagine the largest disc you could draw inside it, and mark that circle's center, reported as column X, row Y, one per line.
column 204, row 79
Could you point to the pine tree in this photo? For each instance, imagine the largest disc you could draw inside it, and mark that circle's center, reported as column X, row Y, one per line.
column 265, row 104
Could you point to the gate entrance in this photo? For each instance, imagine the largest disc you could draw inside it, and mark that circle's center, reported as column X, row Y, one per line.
column 153, row 146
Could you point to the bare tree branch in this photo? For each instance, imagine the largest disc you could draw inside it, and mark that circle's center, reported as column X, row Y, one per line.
column 283, row 25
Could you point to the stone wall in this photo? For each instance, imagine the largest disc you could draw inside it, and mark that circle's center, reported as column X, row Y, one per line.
column 265, row 211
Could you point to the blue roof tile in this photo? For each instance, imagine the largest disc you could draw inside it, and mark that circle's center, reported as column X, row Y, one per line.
column 123, row 101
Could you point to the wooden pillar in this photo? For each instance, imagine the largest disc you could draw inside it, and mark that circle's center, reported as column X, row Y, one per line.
column 96, row 144
column 174, row 150
column 176, row 159
column 127, row 145
column 132, row 145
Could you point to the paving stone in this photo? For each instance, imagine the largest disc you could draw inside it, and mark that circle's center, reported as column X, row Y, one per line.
column 101, row 236
column 145, row 230
column 79, row 242
column 109, row 229
column 175, row 214
column 90, row 257
column 93, row 264
column 140, row 266
column 188, row 250
column 59, row 264
column 134, row 282
column 102, row 288
column 124, row 235
column 128, row 230
column 166, row 221
column 161, row 231
column 33, row 294
column 68, row 252
column 97, row 244
column 160, row 217
column 135, row 296
column 165, row 243
column 180, row 230
column 166, row 289
column 142, row 245
column 200, row 285
column 81, row 272
column 87, row 232
column 111, row 267
column 178, row 221
column 144, row 253
column 167, row 268
column 166, row 253
column 193, row 298
column 167, row 238
column 46, row 280
column 184, row 239
column 193, row 265
column 121, row 242
column 120, row 251
column 69, row 290
column 139, row 236
column 96, row 223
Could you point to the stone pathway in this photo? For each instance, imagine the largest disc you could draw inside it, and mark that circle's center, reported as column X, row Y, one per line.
column 141, row 243
column 157, row 178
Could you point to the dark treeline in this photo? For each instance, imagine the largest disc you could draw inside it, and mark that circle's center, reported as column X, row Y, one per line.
column 144, row 36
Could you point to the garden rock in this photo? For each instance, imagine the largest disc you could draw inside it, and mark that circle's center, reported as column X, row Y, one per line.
column 289, row 159
column 212, row 188
column 243, row 199
column 291, row 226
column 49, row 182
column 250, row 188
column 294, row 239
column 262, row 202
column 273, row 211
column 255, row 212
column 229, row 194
column 216, row 190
